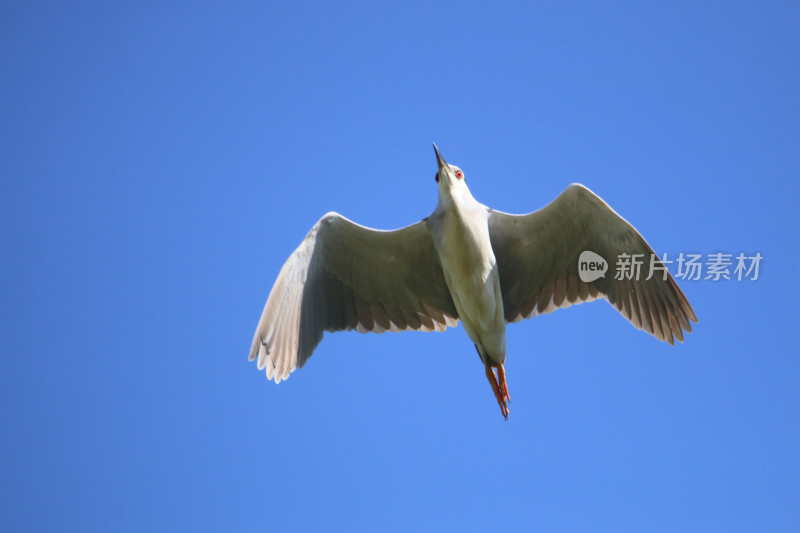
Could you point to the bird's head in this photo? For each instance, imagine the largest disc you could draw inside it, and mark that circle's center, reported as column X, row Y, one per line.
column 448, row 176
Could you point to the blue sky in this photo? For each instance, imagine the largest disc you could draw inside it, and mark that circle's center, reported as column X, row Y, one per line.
column 161, row 161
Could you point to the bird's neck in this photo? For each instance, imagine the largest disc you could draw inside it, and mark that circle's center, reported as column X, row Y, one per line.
column 456, row 198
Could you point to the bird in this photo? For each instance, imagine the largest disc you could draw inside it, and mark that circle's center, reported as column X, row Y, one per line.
column 464, row 262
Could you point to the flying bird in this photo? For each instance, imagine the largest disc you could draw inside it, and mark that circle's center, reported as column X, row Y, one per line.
column 464, row 262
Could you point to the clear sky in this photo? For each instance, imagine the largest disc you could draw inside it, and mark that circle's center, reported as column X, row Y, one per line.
column 160, row 161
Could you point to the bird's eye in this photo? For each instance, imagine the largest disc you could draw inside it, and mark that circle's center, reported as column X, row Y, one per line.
column 459, row 174
column 436, row 177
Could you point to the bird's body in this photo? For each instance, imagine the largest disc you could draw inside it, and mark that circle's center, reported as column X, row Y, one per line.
column 460, row 227
column 465, row 261
column 461, row 236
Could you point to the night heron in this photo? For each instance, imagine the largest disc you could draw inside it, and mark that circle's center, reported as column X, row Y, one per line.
column 464, row 262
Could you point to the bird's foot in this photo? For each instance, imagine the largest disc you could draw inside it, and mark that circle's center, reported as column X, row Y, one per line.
column 499, row 388
column 501, row 383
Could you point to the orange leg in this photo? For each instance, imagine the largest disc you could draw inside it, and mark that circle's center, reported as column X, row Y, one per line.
column 496, row 388
column 502, row 385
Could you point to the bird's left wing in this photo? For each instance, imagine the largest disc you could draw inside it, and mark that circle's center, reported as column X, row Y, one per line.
column 537, row 258
column 346, row 276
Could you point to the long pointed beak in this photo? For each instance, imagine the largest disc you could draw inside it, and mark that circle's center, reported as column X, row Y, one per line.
column 442, row 163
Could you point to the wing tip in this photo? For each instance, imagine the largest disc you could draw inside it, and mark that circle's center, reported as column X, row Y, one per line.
column 273, row 374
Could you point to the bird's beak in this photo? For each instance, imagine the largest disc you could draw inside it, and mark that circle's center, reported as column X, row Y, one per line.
column 443, row 168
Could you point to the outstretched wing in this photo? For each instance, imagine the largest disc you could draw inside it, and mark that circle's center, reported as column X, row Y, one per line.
column 537, row 258
column 346, row 276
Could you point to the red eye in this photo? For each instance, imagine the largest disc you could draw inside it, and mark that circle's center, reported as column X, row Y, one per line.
column 459, row 174
column 436, row 177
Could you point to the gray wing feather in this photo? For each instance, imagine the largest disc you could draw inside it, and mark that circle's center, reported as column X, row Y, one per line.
column 537, row 258
column 345, row 276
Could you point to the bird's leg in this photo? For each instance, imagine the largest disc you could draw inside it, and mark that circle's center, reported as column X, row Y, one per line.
column 501, row 382
column 501, row 398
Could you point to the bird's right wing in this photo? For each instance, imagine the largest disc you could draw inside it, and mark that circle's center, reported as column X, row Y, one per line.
column 346, row 276
column 538, row 254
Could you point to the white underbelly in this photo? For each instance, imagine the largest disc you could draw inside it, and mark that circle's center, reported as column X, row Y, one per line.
column 471, row 275
column 473, row 292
